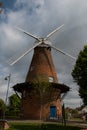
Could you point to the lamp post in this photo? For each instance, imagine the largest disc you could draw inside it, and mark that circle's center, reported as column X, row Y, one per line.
column 8, row 79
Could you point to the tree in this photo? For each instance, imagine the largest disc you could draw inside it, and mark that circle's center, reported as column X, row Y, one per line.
column 1, row 4
column 43, row 91
column 14, row 105
column 2, row 108
column 79, row 74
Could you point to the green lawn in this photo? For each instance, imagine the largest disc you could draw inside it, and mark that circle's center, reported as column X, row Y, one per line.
column 36, row 126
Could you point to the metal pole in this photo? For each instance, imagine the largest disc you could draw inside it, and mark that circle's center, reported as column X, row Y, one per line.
column 7, row 78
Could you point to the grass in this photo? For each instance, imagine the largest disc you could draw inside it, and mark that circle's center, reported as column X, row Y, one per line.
column 36, row 126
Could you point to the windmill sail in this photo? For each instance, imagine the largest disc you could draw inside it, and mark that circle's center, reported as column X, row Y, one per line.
column 57, row 29
column 43, row 42
column 24, row 54
column 64, row 53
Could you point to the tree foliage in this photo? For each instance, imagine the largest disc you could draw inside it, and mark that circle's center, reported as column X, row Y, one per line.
column 14, row 105
column 14, row 100
column 2, row 108
column 79, row 74
column 1, row 4
column 43, row 91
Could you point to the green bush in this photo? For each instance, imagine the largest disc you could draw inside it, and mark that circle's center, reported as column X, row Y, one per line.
column 34, row 126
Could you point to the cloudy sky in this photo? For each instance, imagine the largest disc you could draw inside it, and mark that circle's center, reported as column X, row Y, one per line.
column 40, row 17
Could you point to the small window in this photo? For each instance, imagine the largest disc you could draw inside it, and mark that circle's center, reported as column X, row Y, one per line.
column 50, row 79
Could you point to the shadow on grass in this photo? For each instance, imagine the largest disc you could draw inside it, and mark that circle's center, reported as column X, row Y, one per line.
column 28, row 126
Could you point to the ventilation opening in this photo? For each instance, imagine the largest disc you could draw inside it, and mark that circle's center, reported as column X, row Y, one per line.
column 50, row 79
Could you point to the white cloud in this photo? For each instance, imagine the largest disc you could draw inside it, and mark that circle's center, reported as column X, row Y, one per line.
column 73, row 102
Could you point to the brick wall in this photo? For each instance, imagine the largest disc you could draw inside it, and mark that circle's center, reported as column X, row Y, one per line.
column 31, row 106
column 42, row 63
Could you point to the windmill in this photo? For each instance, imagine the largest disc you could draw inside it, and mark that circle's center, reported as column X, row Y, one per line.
column 42, row 65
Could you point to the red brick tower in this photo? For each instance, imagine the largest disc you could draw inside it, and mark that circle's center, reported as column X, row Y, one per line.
column 41, row 64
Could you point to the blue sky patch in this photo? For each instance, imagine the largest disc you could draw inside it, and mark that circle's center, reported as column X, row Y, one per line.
column 8, row 3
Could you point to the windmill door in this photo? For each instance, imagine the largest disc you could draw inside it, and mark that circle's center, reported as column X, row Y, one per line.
column 52, row 112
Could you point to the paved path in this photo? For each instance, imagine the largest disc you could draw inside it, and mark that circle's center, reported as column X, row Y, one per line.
column 80, row 124
column 84, row 129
